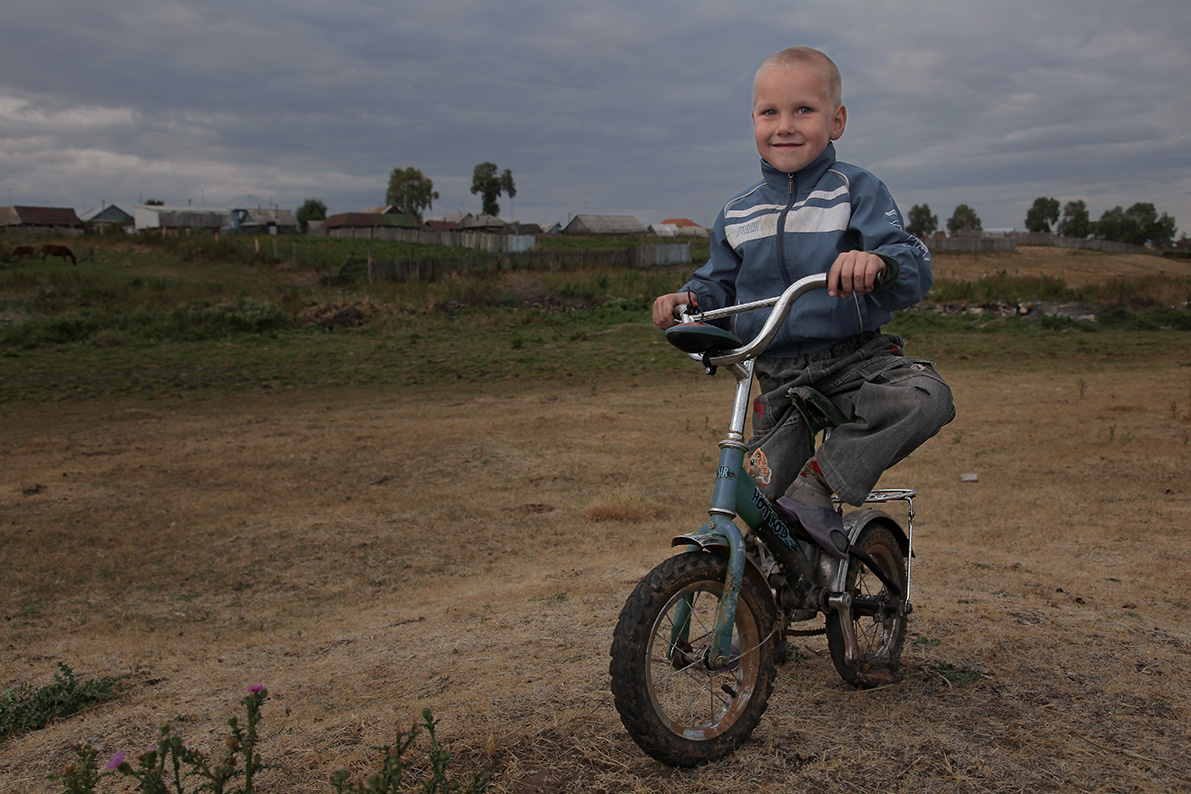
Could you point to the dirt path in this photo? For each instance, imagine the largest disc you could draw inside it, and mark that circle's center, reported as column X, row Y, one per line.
column 368, row 555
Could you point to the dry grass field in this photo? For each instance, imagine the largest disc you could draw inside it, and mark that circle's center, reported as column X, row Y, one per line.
column 367, row 554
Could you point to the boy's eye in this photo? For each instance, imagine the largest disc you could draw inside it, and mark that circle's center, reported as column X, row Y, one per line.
column 804, row 110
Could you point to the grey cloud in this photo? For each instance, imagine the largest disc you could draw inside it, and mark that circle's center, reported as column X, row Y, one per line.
column 613, row 108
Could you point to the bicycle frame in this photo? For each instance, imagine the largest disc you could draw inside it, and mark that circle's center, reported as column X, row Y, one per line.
column 736, row 495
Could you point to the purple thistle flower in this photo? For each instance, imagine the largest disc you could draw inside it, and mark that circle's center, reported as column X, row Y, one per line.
column 255, row 688
column 115, row 762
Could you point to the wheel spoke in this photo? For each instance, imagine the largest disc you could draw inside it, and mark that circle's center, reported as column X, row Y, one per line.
column 876, row 619
column 675, row 708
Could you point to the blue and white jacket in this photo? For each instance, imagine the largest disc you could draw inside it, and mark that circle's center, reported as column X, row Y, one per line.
column 793, row 225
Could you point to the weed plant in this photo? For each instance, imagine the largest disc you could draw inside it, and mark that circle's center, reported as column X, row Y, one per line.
column 29, row 708
column 393, row 768
column 171, row 766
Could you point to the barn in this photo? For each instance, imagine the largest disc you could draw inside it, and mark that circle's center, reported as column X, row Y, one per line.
column 159, row 216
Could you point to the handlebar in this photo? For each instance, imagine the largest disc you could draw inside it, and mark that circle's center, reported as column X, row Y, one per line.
column 781, row 307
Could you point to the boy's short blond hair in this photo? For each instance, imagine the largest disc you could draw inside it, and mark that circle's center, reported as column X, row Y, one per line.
column 808, row 56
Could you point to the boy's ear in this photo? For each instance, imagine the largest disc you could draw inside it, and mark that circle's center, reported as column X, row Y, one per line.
column 838, row 122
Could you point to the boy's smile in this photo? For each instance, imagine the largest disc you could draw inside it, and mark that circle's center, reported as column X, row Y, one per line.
column 793, row 116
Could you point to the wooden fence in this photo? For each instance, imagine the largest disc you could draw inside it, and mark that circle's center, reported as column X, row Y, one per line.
column 1110, row 246
column 434, row 268
column 478, row 241
column 1009, row 244
column 968, row 245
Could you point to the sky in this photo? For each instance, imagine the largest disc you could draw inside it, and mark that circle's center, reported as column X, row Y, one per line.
column 609, row 108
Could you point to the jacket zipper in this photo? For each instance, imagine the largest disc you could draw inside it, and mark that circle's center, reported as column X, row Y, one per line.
column 780, row 232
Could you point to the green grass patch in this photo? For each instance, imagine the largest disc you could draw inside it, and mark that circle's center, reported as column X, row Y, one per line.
column 28, row 708
column 164, row 320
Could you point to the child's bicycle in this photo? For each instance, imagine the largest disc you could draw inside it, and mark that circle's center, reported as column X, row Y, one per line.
column 695, row 648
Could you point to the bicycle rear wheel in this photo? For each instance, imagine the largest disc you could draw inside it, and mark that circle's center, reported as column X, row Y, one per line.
column 877, row 618
column 676, row 709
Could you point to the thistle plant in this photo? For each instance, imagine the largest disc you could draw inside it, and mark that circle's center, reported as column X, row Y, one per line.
column 394, row 767
column 170, row 767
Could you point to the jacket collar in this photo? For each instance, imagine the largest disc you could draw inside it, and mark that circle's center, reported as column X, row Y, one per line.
column 805, row 179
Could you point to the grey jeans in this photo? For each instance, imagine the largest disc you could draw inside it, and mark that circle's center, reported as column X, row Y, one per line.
column 893, row 403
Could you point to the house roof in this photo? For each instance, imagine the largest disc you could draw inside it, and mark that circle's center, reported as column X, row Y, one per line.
column 106, row 212
column 387, row 209
column 481, row 222
column 605, row 224
column 370, row 219
column 679, row 222
column 38, row 216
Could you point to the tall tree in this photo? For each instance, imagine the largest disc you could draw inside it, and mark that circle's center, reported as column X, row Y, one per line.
column 311, row 210
column 1113, row 225
column 489, row 185
column 1137, row 225
column 964, row 219
column 410, row 191
column 1075, row 222
column 1155, row 229
column 1040, row 216
column 922, row 222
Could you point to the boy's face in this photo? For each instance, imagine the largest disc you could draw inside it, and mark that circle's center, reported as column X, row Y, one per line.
column 793, row 116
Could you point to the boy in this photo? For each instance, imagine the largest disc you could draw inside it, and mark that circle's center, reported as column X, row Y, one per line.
column 811, row 214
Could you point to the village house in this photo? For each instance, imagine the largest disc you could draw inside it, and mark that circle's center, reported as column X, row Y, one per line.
column 60, row 220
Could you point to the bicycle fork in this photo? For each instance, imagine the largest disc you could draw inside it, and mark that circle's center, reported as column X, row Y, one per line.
column 732, row 483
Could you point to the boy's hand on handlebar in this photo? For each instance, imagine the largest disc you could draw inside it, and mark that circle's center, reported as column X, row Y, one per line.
column 854, row 272
column 664, row 309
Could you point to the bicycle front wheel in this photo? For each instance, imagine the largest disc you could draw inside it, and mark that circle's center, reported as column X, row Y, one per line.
column 677, row 709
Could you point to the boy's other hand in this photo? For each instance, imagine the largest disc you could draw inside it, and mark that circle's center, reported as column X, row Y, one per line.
column 854, row 272
column 664, row 306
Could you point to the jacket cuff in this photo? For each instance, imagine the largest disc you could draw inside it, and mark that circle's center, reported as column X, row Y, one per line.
column 889, row 274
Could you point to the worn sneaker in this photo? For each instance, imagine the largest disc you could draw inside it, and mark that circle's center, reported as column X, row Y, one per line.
column 825, row 525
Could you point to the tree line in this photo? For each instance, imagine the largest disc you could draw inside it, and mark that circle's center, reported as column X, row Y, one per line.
column 411, row 192
column 1138, row 225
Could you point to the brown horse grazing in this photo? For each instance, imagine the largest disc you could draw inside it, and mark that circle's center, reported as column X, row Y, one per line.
column 24, row 250
column 58, row 250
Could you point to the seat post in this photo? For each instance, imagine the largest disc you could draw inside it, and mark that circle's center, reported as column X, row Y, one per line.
column 743, row 373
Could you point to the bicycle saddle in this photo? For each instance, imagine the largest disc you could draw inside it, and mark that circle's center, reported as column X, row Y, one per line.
column 702, row 338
